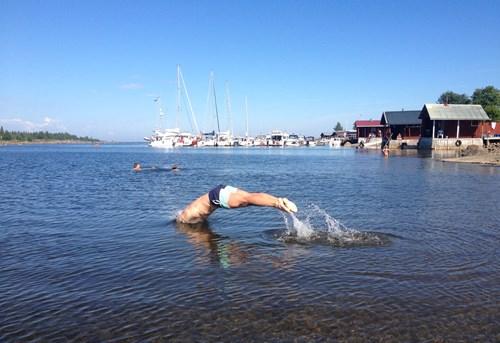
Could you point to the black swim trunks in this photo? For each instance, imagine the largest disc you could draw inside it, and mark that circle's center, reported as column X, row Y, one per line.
column 219, row 196
column 213, row 195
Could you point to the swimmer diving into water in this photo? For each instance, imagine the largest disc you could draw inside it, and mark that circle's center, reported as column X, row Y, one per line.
column 230, row 197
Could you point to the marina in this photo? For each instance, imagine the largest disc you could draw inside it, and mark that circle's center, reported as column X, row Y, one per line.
column 435, row 127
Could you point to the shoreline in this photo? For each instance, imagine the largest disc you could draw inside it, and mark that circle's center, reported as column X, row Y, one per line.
column 35, row 142
column 483, row 159
column 490, row 159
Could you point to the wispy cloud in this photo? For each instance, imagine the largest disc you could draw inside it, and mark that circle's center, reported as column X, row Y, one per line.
column 20, row 124
column 132, row 85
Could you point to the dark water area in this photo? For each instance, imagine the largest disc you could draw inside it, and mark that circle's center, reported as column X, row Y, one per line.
column 405, row 248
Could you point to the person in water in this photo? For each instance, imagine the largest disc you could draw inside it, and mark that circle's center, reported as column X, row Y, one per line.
column 230, row 197
column 385, row 151
column 137, row 167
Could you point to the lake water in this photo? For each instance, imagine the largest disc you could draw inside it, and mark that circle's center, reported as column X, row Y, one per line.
column 405, row 248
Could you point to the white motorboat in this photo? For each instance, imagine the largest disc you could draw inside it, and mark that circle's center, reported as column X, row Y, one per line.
column 224, row 138
column 167, row 138
column 277, row 138
column 260, row 140
column 310, row 141
column 186, row 139
column 293, row 140
column 335, row 142
column 207, row 139
column 245, row 141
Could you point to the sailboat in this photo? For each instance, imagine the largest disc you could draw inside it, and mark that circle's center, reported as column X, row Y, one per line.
column 225, row 138
column 219, row 138
column 210, row 138
column 170, row 138
column 247, row 140
column 163, row 138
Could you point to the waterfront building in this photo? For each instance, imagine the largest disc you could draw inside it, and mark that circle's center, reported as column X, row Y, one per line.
column 369, row 133
column 404, row 123
column 367, row 129
column 451, row 126
column 403, row 127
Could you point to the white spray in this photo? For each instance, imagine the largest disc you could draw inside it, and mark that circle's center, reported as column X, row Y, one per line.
column 318, row 225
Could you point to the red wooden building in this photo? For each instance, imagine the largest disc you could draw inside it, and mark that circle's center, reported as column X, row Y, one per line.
column 368, row 128
column 452, row 126
column 405, row 124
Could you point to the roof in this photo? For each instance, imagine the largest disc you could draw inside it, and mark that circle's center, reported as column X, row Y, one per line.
column 455, row 112
column 367, row 123
column 401, row 118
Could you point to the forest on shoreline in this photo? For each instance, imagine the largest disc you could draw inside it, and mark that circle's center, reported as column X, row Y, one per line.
column 7, row 136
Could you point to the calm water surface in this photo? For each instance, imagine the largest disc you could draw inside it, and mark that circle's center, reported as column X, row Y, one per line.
column 89, row 250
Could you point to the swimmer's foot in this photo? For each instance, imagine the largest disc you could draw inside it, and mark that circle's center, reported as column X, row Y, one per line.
column 286, row 205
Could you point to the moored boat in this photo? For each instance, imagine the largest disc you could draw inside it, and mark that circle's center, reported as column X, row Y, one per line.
column 277, row 138
column 335, row 142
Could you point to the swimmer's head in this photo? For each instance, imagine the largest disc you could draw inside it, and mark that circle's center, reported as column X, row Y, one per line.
column 137, row 166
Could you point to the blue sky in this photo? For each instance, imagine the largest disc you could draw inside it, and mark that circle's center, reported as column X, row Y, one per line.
column 93, row 67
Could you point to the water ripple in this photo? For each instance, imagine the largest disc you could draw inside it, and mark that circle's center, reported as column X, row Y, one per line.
column 399, row 249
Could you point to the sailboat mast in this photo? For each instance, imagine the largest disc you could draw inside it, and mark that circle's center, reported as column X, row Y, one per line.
column 160, row 122
column 246, row 111
column 193, row 117
column 228, row 106
column 215, row 100
column 209, row 109
column 178, row 97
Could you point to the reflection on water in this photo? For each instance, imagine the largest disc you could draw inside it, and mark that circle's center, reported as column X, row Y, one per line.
column 213, row 248
column 402, row 249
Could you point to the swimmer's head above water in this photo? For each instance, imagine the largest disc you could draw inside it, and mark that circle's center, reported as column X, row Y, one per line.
column 137, row 166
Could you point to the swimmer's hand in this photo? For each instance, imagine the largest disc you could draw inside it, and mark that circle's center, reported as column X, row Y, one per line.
column 286, row 205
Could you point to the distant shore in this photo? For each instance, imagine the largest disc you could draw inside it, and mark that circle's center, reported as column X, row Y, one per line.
column 43, row 141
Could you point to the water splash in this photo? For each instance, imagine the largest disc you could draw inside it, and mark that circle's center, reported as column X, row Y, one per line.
column 317, row 226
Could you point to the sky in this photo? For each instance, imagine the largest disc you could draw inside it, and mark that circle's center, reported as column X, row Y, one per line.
column 94, row 68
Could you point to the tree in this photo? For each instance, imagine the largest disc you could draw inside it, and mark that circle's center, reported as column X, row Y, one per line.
column 40, row 135
column 7, row 136
column 450, row 97
column 489, row 98
column 339, row 127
